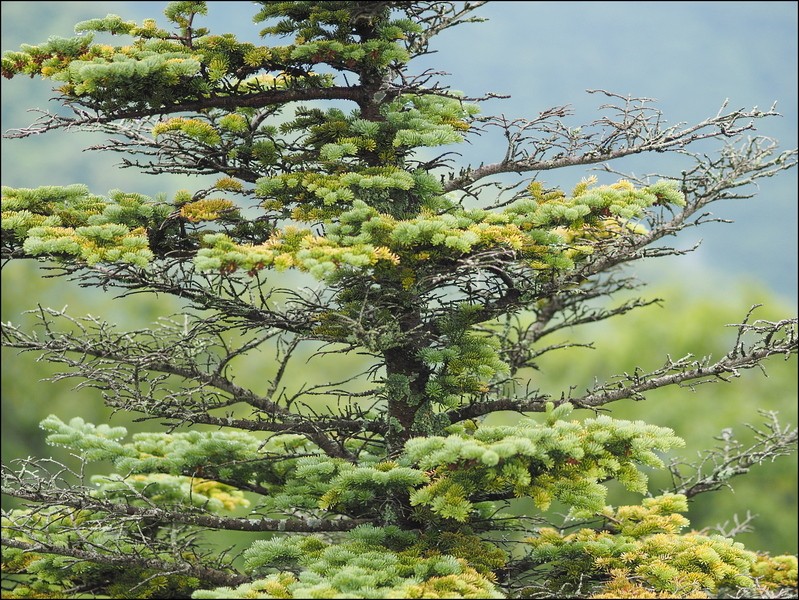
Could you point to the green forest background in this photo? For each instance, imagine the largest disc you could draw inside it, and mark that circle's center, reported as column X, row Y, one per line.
column 688, row 56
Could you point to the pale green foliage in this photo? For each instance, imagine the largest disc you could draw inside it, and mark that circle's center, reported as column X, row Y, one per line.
column 68, row 205
column 371, row 563
column 92, row 244
column 563, row 460
column 98, row 442
column 101, row 76
column 170, row 489
column 293, row 248
column 153, row 72
column 428, row 120
column 332, row 190
column 59, row 221
column 111, row 23
column 173, row 453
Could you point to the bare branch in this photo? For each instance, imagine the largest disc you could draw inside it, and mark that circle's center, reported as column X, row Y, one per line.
column 103, row 354
column 774, row 339
column 435, row 17
column 20, row 484
column 631, row 127
column 717, row 466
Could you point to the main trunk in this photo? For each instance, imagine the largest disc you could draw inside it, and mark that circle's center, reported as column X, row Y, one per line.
column 406, row 380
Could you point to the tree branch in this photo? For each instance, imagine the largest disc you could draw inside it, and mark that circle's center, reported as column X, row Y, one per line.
column 638, row 129
column 775, row 339
column 125, row 349
column 731, row 458
column 206, row 574
column 73, row 497
column 50, row 121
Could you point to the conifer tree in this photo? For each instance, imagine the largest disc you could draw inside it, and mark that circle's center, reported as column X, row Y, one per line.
column 340, row 224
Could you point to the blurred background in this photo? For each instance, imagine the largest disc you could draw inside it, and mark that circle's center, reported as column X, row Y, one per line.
column 689, row 56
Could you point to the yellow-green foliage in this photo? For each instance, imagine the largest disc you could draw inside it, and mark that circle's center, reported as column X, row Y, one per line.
column 69, row 221
column 283, row 81
column 773, row 572
column 352, row 199
column 152, row 71
column 563, row 460
column 465, row 365
column 91, row 244
column 292, row 247
column 445, row 475
column 483, row 556
column 22, row 221
column 354, row 486
column 379, row 52
column 162, row 488
column 73, row 528
column 193, row 128
column 156, row 70
column 466, row 362
column 228, row 184
column 332, row 189
column 207, row 209
column 541, row 230
column 621, row 586
column 233, row 122
column 168, row 468
column 642, row 552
